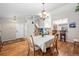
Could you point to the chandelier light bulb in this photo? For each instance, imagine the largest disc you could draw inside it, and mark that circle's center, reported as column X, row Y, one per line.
column 43, row 14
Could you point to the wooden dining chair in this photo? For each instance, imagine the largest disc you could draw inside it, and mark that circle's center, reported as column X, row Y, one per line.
column 49, row 48
column 76, row 48
column 53, row 46
column 1, row 44
column 32, row 46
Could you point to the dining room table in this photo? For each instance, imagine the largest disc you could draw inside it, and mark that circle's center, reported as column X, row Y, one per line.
column 43, row 41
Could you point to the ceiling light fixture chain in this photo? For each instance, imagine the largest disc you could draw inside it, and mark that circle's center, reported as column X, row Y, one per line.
column 43, row 6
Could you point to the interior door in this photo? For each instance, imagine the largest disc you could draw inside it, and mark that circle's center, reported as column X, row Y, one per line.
column 19, row 30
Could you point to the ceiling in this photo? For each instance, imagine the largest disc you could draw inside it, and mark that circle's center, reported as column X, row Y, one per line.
column 23, row 9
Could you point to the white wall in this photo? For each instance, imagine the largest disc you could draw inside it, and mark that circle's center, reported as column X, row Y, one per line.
column 19, row 30
column 30, row 27
column 25, row 29
column 68, row 11
column 0, row 30
column 12, row 30
column 0, row 27
column 8, row 31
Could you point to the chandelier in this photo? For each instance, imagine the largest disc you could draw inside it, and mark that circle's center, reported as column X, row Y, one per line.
column 43, row 13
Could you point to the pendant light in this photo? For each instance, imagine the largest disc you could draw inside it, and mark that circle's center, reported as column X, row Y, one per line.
column 43, row 13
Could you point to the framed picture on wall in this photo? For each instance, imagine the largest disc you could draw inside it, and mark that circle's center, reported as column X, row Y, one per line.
column 72, row 24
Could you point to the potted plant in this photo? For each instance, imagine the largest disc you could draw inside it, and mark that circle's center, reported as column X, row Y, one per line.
column 77, row 8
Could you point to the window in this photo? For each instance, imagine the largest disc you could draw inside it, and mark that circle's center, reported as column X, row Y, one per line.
column 60, row 21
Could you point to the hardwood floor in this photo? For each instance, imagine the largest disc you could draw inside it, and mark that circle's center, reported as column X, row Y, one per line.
column 20, row 48
column 67, row 48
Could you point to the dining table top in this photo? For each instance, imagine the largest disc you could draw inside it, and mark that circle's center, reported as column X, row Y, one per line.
column 42, row 41
column 39, row 40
